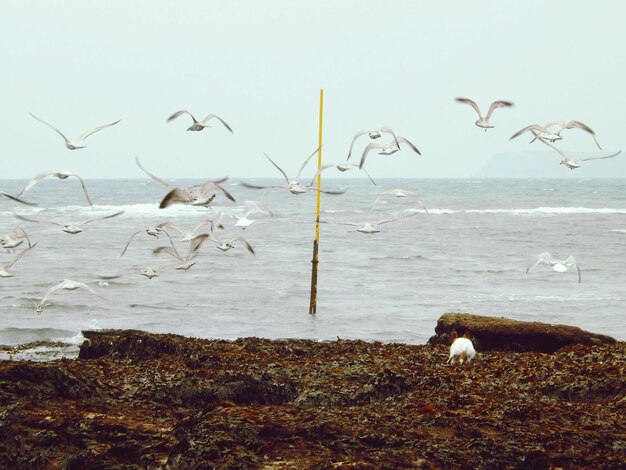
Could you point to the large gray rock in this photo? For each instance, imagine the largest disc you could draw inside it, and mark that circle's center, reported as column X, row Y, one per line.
column 503, row 334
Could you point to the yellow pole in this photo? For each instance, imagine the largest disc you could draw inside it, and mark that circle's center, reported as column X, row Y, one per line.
column 315, row 260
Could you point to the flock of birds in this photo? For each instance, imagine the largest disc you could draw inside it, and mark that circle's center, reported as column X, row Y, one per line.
column 203, row 195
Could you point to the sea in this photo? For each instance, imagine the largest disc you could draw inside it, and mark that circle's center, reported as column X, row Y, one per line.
column 468, row 253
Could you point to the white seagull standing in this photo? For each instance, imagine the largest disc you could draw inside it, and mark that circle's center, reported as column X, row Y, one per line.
column 560, row 266
column 66, row 284
column 62, row 175
column 483, row 122
column 198, row 125
column 77, row 143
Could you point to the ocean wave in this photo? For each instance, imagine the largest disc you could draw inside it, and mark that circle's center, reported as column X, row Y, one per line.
column 544, row 210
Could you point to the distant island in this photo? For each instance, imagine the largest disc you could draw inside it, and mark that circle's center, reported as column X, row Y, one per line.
column 546, row 165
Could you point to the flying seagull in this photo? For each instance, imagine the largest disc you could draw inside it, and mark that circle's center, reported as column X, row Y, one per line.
column 199, row 125
column 71, row 228
column 483, row 122
column 560, row 266
column 342, row 167
column 373, row 134
column 152, row 230
column 573, row 164
column 14, row 238
column 294, row 186
column 199, row 195
column 400, row 193
column 386, row 149
column 62, row 175
column 77, row 143
column 186, row 261
column 568, row 125
column 368, row 228
column 66, row 284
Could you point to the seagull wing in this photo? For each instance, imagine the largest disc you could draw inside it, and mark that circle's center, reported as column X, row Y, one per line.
column 34, row 181
column 368, row 147
column 22, row 253
column 472, row 104
column 305, row 162
column 82, row 183
column 279, row 168
column 571, row 261
column 131, row 239
column 406, row 141
column 245, row 243
column 211, row 116
column 115, row 214
column 258, row 186
column 84, row 135
column 535, row 127
column 599, row 158
column 322, row 168
column 340, row 222
column 155, row 178
column 51, row 127
column 174, row 196
column 170, row 250
column 209, row 185
column 584, row 127
column 552, row 146
column 389, row 130
column 180, row 113
column 544, row 257
column 497, row 104
column 2, row 193
column 333, row 192
column 356, row 136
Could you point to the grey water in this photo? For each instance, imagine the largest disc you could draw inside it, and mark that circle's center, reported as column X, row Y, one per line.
column 468, row 254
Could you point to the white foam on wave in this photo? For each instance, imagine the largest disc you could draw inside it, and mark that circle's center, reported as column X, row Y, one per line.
column 528, row 212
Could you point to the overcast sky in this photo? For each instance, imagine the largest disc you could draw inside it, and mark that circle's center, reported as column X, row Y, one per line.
column 260, row 65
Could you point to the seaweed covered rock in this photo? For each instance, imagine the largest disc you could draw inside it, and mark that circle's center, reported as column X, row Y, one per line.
column 503, row 334
column 140, row 400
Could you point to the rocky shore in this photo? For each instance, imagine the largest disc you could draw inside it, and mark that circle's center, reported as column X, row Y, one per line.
column 139, row 400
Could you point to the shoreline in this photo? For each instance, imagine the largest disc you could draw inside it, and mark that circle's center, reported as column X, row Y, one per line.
column 170, row 401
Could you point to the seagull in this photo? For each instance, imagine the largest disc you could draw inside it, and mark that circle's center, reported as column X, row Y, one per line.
column 243, row 221
column 294, row 186
column 342, row 167
column 4, row 270
column 573, row 164
column 152, row 230
column 147, row 272
column 187, row 235
column 66, row 284
column 198, row 125
column 186, row 261
column 386, row 149
column 62, row 175
column 368, row 228
column 225, row 246
column 568, row 125
column 560, row 266
column 72, row 229
column 483, row 122
column 373, row 134
column 74, row 144
column 14, row 238
column 400, row 193
column 16, row 199
column 542, row 132
column 196, row 195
